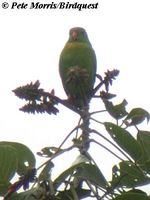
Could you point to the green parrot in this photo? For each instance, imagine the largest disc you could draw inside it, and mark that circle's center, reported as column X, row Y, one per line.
column 77, row 68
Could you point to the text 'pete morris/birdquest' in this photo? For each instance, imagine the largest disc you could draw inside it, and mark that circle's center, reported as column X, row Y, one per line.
column 61, row 5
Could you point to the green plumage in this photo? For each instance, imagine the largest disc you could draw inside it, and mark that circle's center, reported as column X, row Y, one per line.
column 77, row 67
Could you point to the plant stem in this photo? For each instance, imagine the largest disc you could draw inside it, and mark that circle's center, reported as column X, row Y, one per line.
column 85, row 130
column 96, row 132
column 58, row 150
column 63, row 102
column 107, row 149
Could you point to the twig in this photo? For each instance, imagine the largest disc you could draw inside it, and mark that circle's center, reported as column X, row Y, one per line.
column 92, row 140
column 96, row 132
column 98, row 87
column 113, row 188
column 92, row 189
column 79, row 125
column 63, row 102
column 85, row 130
column 58, row 152
column 96, row 121
column 96, row 112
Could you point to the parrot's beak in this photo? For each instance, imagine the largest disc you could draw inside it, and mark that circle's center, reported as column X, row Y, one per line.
column 74, row 35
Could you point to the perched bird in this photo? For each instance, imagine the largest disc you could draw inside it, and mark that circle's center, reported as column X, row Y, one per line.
column 77, row 67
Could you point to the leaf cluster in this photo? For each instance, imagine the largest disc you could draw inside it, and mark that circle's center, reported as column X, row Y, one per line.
column 15, row 158
column 84, row 177
column 37, row 100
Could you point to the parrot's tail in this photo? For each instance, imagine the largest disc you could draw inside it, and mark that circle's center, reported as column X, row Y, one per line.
column 78, row 84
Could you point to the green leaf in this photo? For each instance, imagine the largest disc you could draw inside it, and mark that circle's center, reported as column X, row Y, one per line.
column 32, row 194
column 46, row 172
column 129, row 175
column 67, row 194
column 81, row 159
column 125, row 140
column 92, row 173
column 3, row 187
column 84, row 171
column 62, row 177
column 116, row 111
column 49, row 151
column 24, row 156
column 106, row 95
column 8, row 162
column 143, row 138
column 132, row 195
column 136, row 116
column 137, row 191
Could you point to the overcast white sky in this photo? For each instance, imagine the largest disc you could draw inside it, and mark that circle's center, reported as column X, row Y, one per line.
column 30, row 44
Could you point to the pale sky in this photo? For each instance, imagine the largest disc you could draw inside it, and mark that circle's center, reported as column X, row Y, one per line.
column 30, row 45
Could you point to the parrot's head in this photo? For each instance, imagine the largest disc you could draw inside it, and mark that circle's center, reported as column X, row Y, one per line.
column 78, row 34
